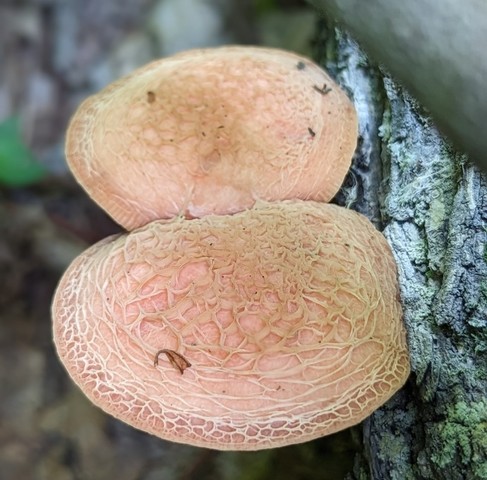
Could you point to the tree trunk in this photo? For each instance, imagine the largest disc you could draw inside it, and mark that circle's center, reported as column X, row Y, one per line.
column 431, row 203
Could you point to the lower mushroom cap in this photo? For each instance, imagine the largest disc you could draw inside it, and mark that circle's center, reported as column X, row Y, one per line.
column 287, row 316
column 212, row 131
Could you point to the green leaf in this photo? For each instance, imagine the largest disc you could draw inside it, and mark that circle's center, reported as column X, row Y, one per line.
column 18, row 166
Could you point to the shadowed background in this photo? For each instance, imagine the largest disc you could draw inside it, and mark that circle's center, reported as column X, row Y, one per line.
column 53, row 54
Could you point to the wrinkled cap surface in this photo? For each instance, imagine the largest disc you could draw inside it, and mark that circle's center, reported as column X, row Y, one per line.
column 277, row 325
column 211, row 131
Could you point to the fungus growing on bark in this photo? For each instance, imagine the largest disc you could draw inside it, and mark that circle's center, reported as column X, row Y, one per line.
column 212, row 131
column 265, row 328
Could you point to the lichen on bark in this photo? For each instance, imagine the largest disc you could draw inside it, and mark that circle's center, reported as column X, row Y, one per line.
column 431, row 203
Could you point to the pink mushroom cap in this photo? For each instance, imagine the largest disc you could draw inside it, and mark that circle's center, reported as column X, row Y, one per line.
column 265, row 328
column 211, row 132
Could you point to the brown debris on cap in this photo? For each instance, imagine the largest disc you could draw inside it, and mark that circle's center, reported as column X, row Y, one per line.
column 212, row 131
column 278, row 325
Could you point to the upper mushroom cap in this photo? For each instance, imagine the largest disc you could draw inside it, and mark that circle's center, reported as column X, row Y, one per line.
column 212, row 131
column 284, row 320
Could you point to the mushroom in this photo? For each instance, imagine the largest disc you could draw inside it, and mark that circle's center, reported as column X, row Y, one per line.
column 261, row 329
column 212, row 131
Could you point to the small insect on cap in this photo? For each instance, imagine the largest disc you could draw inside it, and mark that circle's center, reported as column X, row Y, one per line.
column 265, row 328
column 212, row 131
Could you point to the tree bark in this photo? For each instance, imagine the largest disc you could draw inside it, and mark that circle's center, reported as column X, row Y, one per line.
column 431, row 203
column 436, row 49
